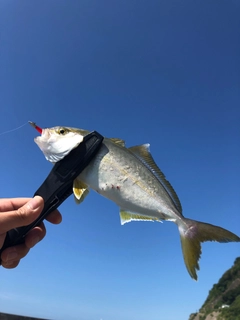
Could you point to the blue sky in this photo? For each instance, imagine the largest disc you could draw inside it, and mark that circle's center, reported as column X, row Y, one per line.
column 158, row 72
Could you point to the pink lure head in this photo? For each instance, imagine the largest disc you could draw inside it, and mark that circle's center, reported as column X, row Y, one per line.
column 33, row 124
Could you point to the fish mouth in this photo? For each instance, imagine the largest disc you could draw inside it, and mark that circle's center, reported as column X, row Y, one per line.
column 43, row 141
column 46, row 134
column 44, row 138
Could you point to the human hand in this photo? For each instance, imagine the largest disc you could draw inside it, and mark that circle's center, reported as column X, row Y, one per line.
column 18, row 212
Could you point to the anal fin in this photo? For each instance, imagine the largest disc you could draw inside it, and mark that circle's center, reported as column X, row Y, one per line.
column 126, row 216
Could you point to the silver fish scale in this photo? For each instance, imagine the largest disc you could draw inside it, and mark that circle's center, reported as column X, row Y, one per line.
column 119, row 176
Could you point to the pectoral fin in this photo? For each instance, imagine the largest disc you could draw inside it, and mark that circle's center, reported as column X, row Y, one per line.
column 80, row 190
column 126, row 216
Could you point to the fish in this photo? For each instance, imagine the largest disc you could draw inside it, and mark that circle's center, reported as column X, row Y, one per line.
column 132, row 180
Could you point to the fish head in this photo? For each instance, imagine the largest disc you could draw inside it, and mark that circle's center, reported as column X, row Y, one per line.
column 57, row 142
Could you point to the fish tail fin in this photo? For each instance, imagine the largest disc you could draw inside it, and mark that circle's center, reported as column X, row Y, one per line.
column 192, row 233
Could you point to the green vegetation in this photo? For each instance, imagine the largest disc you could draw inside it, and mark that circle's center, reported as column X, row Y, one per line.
column 217, row 295
column 225, row 292
column 233, row 312
column 192, row 316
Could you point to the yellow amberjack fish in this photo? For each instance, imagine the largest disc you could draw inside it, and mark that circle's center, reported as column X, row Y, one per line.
column 130, row 178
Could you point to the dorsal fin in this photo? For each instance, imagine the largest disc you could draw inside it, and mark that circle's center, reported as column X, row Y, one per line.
column 143, row 154
column 118, row 141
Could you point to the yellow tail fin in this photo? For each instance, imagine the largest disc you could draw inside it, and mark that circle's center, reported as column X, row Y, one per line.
column 192, row 233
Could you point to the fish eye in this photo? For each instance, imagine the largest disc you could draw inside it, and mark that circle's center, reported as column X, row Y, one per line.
column 62, row 131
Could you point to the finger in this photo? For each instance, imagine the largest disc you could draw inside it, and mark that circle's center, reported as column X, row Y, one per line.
column 10, row 264
column 2, row 239
column 12, row 204
column 54, row 217
column 12, row 255
column 35, row 235
column 22, row 216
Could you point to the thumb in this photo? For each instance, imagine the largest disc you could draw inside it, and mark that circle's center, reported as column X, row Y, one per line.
column 23, row 216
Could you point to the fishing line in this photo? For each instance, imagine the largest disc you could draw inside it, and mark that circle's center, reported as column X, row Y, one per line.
column 8, row 131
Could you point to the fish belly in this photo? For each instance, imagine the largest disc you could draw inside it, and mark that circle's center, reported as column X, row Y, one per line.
column 118, row 175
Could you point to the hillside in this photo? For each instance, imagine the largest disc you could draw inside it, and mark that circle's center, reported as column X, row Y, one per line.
column 223, row 301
